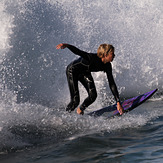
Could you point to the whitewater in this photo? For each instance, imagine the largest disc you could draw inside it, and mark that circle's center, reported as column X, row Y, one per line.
column 34, row 126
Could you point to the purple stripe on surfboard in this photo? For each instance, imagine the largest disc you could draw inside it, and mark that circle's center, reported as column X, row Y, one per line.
column 136, row 101
column 127, row 104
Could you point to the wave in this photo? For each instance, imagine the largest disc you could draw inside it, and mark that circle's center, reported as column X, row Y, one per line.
column 33, row 87
column 26, row 125
column 34, row 69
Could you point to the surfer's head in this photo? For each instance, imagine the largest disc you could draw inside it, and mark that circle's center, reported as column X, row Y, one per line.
column 106, row 53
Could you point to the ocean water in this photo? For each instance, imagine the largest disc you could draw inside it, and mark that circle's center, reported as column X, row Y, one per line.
column 34, row 126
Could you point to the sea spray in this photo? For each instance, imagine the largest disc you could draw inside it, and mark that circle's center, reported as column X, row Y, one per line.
column 33, row 84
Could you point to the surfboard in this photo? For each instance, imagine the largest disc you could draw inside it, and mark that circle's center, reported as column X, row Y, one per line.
column 128, row 105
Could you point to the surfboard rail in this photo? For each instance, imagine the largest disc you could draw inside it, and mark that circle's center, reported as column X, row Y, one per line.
column 128, row 105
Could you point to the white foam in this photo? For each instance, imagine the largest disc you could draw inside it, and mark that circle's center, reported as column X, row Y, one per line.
column 136, row 35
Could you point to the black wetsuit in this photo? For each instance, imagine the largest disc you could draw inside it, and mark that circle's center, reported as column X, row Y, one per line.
column 80, row 70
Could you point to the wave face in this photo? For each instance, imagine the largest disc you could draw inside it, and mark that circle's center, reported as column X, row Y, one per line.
column 32, row 71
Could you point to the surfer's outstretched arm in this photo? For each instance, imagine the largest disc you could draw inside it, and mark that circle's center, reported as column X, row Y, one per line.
column 62, row 46
column 74, row 49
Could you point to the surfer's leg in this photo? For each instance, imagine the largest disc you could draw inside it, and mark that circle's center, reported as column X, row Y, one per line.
column 88, row 83
column 73, row 87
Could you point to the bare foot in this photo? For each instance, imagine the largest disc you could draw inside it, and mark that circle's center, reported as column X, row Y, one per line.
column 79, row 111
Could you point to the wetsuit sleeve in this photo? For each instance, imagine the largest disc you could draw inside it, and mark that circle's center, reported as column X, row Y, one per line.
column 79, row 52
column 112, row 84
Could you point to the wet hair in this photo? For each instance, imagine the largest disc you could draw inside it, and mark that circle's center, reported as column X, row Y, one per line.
column 104, row 49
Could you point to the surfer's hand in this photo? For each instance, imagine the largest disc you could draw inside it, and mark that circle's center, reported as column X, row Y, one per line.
column 120, row 108
column 61, row 46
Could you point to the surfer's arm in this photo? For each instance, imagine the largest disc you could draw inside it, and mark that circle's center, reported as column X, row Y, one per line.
column 62, row 46
column 113, row 87
column 120, row 108
column 74, row 49
column 114, row 90
column 112, row 84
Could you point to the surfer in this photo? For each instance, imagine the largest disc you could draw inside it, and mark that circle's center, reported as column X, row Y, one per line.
column 80, row 70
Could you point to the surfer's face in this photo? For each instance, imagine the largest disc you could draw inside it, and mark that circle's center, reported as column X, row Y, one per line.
column 109, row 57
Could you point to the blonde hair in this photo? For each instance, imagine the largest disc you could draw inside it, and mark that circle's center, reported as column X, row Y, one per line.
column 104, row 49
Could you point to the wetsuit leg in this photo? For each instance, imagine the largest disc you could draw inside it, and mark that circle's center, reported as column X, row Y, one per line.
column 88, row 82
column 72, row 79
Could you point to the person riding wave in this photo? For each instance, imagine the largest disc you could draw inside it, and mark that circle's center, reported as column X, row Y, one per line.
column 80, row 70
